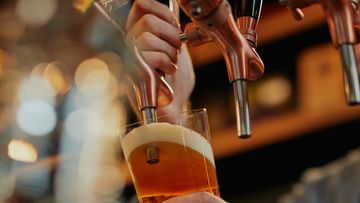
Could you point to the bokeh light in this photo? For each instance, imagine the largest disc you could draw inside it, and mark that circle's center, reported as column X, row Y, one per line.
column 82, row 5
column 273, row 92
column 113, row 61
column 11, row 27
column 29, row 55
column 7, row 184
column 36, row 117
column 36, row 12
column 113, row 118
column 56, row 73
column 92, row 77
column 3, row 57
column 100, row 176
column 36, row 88
column 20, row 150
column 83, row 123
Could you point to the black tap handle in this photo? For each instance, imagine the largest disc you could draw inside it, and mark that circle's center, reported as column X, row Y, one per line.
column 251, row 8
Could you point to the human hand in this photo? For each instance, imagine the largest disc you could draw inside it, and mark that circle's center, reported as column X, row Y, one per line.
column 198, row 197
column 155, row 30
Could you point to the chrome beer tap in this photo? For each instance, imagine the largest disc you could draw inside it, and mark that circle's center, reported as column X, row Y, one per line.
column 342, row 20
column 213, row 20
column 151, row 89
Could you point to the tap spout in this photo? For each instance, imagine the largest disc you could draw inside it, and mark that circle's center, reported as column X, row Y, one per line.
column 215, row 19
column 151, row 89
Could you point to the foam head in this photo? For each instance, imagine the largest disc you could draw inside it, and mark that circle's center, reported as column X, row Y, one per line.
column 166, row 132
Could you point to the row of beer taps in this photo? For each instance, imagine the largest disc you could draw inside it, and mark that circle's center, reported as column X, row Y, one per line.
column 235, row 35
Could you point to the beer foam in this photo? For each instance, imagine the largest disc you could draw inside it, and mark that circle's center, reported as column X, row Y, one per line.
column 166, row 132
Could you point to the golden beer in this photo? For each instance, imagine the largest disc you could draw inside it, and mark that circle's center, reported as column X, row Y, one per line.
column 185, row 162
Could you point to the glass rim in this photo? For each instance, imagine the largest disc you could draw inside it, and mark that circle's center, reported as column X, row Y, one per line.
column 178, row 118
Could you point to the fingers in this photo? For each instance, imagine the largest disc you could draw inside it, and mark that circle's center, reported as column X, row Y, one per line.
column 160, row 60
column 141, row 7
column 155, row 29
column 157, row 26
column 150, row 42
column 199, row 197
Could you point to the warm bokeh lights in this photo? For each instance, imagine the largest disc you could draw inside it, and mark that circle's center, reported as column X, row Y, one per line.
column 83, row 123
column 20, row 150
column 92, row 77
column 273, row 92
column 82, row 5
column 56, row 73
column 36, row 12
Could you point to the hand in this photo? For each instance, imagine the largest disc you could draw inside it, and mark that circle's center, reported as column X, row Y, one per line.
column 199, row 197
column 155, row 30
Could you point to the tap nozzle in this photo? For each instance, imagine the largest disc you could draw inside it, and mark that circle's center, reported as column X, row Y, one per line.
column 151, row 90
column 149, row 115
column 242, row 109
column 351, row 75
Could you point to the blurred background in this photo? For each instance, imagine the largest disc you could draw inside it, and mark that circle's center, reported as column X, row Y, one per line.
column 62, row 99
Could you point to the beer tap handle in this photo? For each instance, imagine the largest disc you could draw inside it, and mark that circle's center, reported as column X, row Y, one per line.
column 214, row 17
column 247, row 13
column 343, row 22
column 340, row 16
column 151, row 89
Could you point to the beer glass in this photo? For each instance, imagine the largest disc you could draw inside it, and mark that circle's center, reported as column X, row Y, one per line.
column 171, row 158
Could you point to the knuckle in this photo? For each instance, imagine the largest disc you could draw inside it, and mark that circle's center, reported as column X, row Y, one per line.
column 141, row 4
column 148, row 20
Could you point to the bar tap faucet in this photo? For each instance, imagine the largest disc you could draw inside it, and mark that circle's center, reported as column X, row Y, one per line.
column 341, row 18
column 151, row 89
column 213, row 20
column 247, row 14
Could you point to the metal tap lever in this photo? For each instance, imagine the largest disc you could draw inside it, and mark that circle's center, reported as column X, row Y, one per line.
column 150, row 88
column 341, row 17
column 215, row 21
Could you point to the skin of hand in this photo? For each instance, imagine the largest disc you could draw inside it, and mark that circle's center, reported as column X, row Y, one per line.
column 198, row 197
column 155, row 30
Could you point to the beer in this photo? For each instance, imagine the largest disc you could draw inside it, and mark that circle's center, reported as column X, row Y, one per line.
column 185, row 162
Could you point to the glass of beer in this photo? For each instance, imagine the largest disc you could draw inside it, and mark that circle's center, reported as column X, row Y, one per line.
column 168, row 159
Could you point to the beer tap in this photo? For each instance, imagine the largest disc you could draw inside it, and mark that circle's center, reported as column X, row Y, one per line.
column 151, row 89
column 341, row 18
column 213, row 20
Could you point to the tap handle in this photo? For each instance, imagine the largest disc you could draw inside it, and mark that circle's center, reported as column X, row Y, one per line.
column 247, row 13
column 151, row 89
